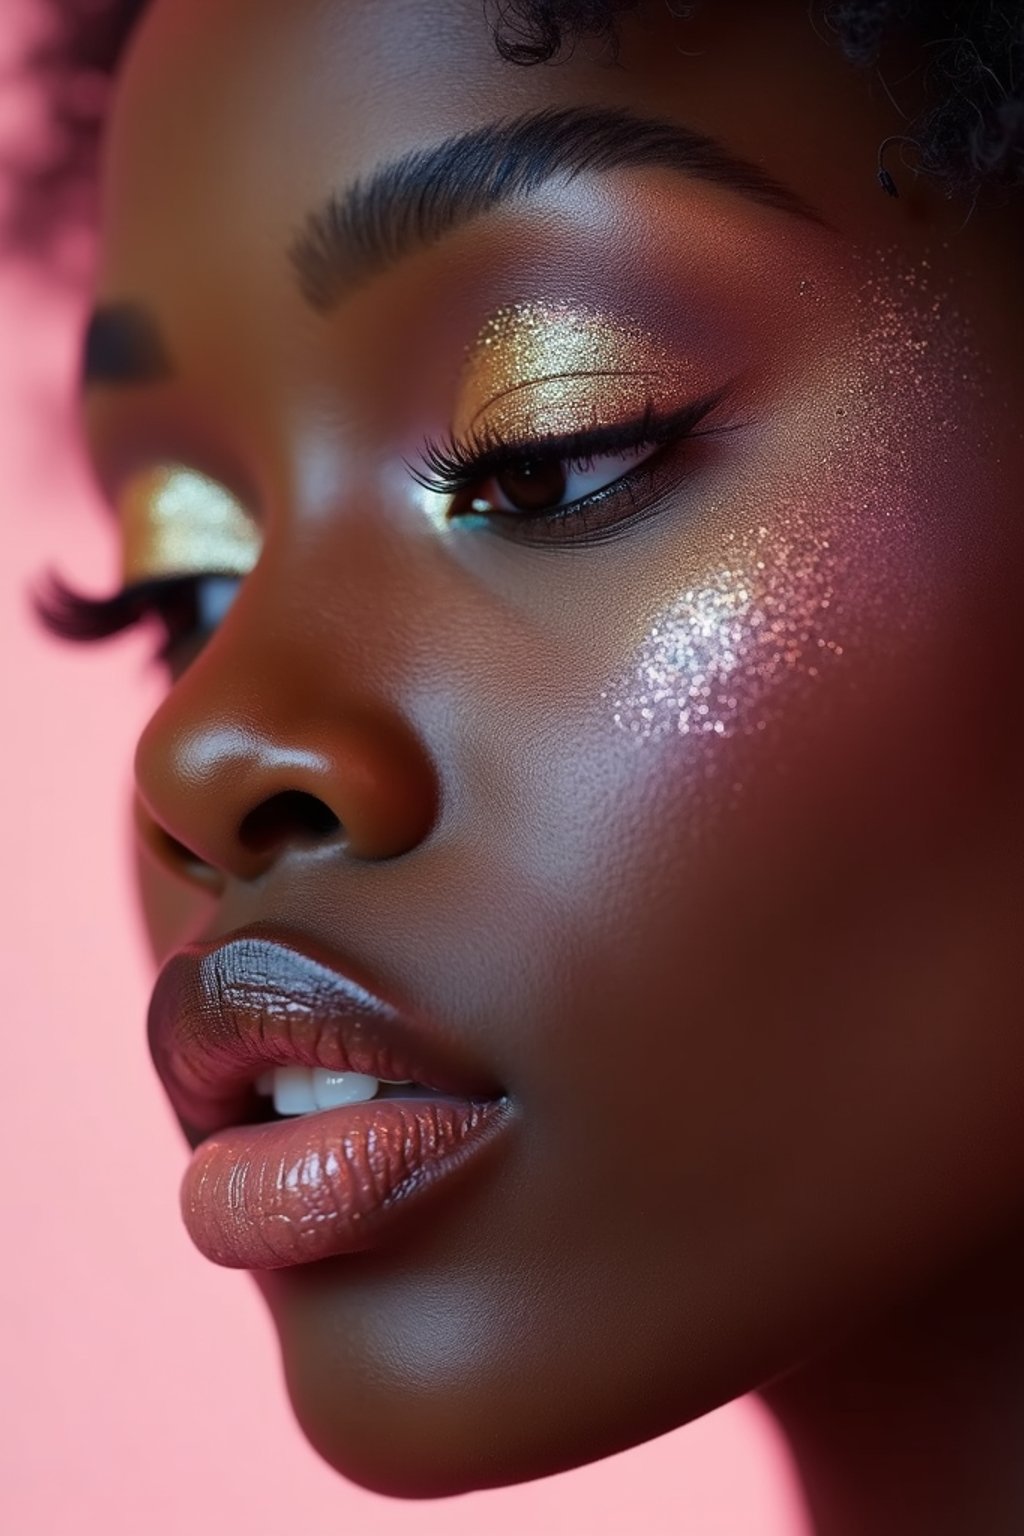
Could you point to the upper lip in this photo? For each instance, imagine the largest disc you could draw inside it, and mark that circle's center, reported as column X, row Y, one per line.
column 222, row 1013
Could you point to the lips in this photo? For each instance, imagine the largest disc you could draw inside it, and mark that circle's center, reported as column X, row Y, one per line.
column 313, row 1186
column 222, row 1014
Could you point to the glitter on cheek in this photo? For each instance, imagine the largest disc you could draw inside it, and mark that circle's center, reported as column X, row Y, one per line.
column 722, row 643
column 847, row 543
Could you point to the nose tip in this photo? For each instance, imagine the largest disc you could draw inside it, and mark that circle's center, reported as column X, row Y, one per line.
column 216, row 804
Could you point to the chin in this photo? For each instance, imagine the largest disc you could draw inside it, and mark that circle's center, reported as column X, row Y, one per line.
column 418, row 1388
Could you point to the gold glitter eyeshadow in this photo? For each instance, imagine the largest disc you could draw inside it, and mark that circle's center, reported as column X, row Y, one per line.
column 537, row 369
column 175, row 520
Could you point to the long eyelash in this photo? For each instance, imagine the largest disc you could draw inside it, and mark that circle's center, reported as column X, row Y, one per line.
column 453, row 465
column 72, row 616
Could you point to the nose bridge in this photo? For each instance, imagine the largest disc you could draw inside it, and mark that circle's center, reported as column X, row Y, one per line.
column 293, row 725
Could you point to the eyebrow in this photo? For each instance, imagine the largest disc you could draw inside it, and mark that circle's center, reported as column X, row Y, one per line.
column 414, row 201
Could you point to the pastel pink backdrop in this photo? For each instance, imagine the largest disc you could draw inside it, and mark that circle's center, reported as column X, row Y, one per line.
column 143, row 1389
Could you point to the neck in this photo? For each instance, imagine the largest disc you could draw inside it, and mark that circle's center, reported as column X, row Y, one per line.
column 916, row 1426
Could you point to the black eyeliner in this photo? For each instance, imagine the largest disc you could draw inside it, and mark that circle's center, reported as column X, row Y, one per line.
column 453, row 465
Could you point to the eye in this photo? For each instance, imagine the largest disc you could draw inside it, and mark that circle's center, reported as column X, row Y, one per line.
column 189, row 608
column 580, row 487
column 189, row 611
column 546, row 483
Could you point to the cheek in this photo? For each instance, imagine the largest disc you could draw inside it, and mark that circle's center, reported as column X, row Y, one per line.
column 172, row 911
column 781, row 917
column 796, row 760
column 856, row 608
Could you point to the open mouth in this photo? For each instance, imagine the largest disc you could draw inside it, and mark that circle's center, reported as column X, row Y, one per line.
column 283, row 1093
column 251, row 1035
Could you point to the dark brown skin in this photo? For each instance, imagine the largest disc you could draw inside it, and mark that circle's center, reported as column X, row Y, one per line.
column 755, row 997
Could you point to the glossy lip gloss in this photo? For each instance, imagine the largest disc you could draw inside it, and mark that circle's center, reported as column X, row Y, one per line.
column 262, row 1194
column 320, row 1185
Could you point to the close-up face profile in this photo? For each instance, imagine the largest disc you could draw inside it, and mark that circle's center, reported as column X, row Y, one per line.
column 579, row 839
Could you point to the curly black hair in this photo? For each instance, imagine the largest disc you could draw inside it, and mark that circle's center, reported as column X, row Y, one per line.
column 969, row 134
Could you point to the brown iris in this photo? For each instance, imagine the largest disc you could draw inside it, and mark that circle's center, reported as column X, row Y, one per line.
column 532, row 484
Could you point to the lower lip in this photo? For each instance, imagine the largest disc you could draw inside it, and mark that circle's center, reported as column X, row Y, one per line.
column 315, row 1186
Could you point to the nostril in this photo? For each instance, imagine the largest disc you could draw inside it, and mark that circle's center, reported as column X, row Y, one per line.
column 284, row 815
column 176, row 853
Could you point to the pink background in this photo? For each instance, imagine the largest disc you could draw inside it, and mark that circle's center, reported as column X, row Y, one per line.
column 142, row 1385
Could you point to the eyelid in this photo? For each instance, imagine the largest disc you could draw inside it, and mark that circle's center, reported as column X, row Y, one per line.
column 565, row 404
column 545, row 345
column 176, row 520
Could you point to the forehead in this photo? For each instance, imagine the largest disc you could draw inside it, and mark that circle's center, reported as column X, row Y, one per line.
column 232, row 122
column 237, row 117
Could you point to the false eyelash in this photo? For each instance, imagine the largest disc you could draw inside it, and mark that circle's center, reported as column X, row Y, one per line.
column 453, row 465
column 72, row 616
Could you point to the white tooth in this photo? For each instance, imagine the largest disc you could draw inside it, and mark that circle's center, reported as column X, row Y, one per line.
column 396, row 1080
column 293, row 1091
column 333, row 1088
column 265, row 1084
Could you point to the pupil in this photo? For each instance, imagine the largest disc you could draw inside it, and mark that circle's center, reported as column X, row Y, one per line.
column 532, row 484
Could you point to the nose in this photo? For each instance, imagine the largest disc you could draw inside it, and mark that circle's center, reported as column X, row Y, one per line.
column 276, row 739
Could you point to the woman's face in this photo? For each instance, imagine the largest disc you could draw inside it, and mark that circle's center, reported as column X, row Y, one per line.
column 696, row 816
